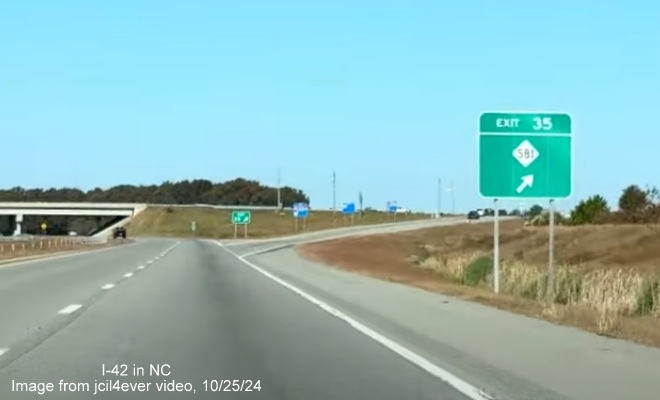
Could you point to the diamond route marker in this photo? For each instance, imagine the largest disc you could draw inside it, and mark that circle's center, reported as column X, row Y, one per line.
column 525, row 155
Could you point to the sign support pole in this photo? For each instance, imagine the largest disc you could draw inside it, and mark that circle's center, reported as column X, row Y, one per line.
column 246, row 234
column 235, row 231
column 551, row 248
column 496, row 248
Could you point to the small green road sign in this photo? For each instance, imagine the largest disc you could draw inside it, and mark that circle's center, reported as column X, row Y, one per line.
column 525, row 156
column 240, row 217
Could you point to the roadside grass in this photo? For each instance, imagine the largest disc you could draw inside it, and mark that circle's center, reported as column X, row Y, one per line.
column 215, row 223
column 607, row 278
column 609, row 294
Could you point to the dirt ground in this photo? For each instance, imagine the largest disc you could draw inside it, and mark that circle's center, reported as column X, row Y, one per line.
column 633, row 248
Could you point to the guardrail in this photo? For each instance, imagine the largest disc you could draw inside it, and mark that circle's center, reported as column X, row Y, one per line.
column 45, row 243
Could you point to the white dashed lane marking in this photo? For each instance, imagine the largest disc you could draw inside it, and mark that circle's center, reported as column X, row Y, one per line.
column 3, row 351
column 70, row 309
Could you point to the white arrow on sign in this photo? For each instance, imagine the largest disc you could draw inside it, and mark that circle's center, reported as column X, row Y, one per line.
column 527, row 181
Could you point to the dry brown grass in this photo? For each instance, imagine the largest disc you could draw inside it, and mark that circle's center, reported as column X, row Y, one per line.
column 215, row 223
column 607, row 278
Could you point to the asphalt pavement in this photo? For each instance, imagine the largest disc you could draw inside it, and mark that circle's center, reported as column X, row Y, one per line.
column 183, row 319
column 509, row 356
column 167, row 318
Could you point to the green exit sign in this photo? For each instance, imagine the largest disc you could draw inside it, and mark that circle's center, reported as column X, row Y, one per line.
column 240, row 217
column 525, row 155
column 525, row 123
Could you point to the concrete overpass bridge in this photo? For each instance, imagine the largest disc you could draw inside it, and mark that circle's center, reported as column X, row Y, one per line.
column 20, row 209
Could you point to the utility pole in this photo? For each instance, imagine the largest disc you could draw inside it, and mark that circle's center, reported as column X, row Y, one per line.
column 334, row 196
column 279, row 193
column 439, row 197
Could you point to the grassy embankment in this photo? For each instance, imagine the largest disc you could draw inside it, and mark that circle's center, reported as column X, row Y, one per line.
column 216, row 223
column 607, row 277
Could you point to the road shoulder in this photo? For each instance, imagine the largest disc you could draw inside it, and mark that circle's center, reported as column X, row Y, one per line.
column 508, row 354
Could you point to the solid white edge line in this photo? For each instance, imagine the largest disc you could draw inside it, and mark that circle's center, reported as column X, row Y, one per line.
column 69, row 309
column 108, row 286
column 442, row 374
column 268, row 249
column 3, row 350
column 128, row 275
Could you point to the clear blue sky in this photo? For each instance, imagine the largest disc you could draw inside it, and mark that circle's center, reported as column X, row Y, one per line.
column 387, row 93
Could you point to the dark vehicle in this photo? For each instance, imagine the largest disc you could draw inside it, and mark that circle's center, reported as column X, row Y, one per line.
column 473, row 215
column 119, row 232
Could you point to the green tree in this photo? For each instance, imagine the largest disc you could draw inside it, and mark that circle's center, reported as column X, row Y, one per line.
column 633, row 199
column 652, row 195
column 534, row 211
column 588, row 210
column 235, row 192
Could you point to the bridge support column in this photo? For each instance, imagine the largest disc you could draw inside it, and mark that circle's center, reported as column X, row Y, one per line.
column 19, row 225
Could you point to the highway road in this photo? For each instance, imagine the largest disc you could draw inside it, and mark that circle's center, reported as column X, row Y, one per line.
column 197, row 308
column 196, row 314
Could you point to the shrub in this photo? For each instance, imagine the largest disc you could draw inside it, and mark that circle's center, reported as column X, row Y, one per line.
column 587, row 211
column 477, row 271
column 647, row 300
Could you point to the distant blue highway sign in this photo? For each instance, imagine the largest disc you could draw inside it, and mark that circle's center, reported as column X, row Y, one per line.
column 301, row 213
column 392, row 206
column 348, row 209
column 300, row 210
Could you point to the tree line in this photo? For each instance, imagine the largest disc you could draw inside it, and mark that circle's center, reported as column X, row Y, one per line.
column 635, row 206
column 236, row 192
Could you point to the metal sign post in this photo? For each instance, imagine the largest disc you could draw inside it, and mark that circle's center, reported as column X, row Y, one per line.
column 496, row 248
column 348, row 210
column 551, row 252
column 241, row 218
column 392, row 208
column 301, row 211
